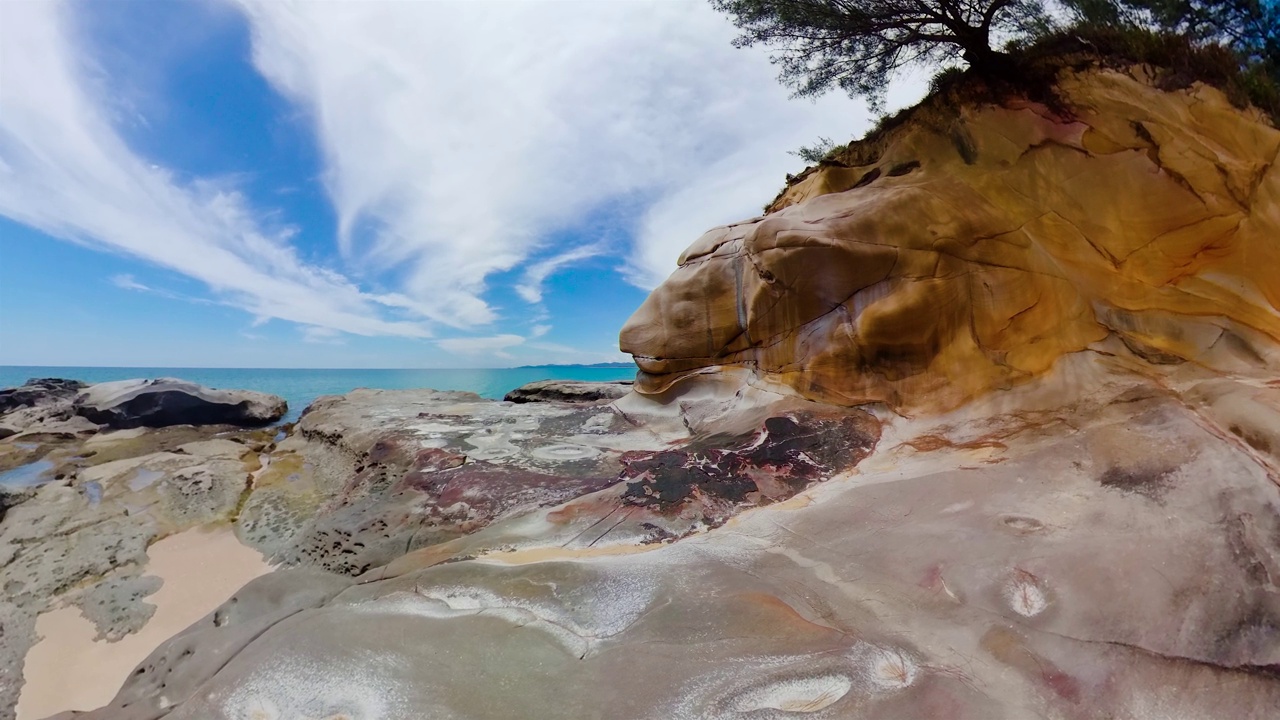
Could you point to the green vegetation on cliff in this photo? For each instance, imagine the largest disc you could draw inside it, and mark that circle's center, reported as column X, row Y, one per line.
column 858, row 46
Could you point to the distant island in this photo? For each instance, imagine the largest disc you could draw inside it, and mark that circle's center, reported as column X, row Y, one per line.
column 580, row 365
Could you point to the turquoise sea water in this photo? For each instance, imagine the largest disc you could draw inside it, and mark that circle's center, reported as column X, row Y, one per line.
column 300, row 387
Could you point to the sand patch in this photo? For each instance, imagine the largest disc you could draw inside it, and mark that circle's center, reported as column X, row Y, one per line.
column 67, row 670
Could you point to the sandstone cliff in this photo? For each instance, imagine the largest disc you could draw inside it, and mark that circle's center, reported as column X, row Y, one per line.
column 970, row 249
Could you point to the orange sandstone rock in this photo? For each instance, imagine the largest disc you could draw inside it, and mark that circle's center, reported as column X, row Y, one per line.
column 976, row 251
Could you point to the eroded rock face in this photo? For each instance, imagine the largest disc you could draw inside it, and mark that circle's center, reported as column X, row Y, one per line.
column 42, row 409
column 981, row 247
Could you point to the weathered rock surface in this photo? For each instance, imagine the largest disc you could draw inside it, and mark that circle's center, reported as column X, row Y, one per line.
column 1013, row 559
column 41, row 409
column 1063, row 503
column 570, row 391
column 81, row 538
column 80, row 504
column 39, row 391
column 59, row 409
column 366, row 477
column 977, row 247
column 168, row 401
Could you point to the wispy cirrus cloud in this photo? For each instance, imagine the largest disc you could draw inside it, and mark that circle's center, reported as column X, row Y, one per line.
column 499, row 346
column 460, row 140
column 318, row 335
column 125, row 281
column 495, row 344
column 460, row 135
column 65, row 170
column 530, row 286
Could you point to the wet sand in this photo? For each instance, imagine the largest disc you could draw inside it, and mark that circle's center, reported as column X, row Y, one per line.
column 67, row 670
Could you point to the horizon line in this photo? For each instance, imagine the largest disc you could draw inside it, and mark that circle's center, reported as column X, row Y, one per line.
column 230, row 367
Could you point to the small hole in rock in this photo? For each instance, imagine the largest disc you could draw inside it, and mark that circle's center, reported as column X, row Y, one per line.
column 903, row 168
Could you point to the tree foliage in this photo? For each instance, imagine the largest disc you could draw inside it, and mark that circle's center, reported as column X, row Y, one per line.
column 1249, row 27
column 816, row 152
column 1236, row 42
column 858, row 45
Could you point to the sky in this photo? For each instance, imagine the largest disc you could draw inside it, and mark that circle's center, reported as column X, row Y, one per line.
column 276, row 183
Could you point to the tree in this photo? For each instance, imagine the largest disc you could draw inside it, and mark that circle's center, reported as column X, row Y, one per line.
column 816, row 152
column 858, row 45
column 1249, row 27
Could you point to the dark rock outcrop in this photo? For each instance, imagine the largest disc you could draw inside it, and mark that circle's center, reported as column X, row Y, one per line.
column 42, row 405
column 713, row 477
column 168, row 401
column 569, row 391
column 39, row 391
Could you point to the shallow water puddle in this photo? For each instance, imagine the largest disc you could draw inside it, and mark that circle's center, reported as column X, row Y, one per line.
column 26, row 476
column 143, row 478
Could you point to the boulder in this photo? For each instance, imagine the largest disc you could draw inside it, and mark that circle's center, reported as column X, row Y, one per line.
column 168, row 401
column 570, row 391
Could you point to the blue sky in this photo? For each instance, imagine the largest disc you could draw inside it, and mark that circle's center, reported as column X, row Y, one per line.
column 247, row 183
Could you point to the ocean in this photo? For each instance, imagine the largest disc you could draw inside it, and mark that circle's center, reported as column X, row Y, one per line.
column 300, row 387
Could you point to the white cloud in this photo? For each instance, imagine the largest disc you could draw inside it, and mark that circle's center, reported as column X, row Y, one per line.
column 530, row 287
column 459, row 135
column 322, row 335
column 480, row 345
column 538, row 331
column 126, row 282
column 460, row 139
column 65, row 171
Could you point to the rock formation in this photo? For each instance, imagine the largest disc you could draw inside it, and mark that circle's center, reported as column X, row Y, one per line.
column 569, row 391
column 968, row 250
column 1058, row 495
column 81, row 500
column 48, row 406
column 1111, row 559
column 167, row 401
